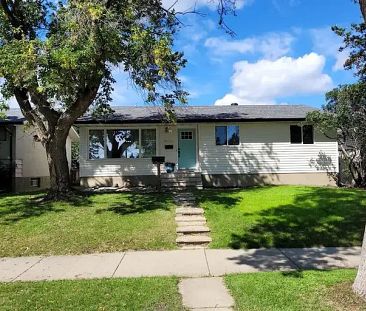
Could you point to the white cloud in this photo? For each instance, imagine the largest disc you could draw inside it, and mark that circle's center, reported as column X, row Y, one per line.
column 341, row 58
column 264, row 81
column 189, row 5
column 326, row 42
column 271, row 45
column 189, row 38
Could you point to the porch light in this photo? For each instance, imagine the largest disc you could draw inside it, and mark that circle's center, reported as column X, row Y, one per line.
column 168, row 129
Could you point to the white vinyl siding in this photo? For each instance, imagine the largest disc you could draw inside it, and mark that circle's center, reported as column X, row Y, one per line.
column 265, row 148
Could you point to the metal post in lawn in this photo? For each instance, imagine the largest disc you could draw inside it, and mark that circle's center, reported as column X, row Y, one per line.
column 158, row 161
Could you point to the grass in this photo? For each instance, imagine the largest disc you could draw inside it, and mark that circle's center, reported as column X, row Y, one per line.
column 106, row 294
column 308, row 290
column 285, row 216
column 94, row 223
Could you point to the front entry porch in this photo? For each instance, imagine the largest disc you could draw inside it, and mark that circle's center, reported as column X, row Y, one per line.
column 187, row 149
column 182, row 179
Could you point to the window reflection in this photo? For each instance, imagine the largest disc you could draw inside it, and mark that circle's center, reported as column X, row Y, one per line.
column 123, row 143
column 96, row 144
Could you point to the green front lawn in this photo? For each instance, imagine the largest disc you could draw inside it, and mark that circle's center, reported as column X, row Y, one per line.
column 295, row 291
column 94, row 223
column 105, row 294
column 284, row 216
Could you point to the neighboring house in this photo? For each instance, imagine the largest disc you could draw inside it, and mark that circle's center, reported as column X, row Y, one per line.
column 228, row 146
column 23, row 161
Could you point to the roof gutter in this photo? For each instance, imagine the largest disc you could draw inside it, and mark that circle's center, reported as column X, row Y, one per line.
column 81, row 122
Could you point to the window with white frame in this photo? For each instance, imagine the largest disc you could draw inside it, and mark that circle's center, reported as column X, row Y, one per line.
column 148, row 143
column 96, row 144
column 227, row 135
column 122, row 143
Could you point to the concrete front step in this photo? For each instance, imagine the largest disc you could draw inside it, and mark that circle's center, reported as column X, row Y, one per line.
column 179, row 178
column 191, row 223
column 179, row 188
column 183, row 180
column 192, row 229
column 181, row 174
column 182, row 199
column 189, row 211
column 194, row 246
column 193, row 239
column 192, row 218
column 183, row 185
column 187, row 205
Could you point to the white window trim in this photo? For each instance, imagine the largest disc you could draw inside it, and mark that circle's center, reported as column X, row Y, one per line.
column 227, row 138
column 186, row 131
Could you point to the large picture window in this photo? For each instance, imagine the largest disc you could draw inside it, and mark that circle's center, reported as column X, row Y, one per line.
column 96, row 144
column 301, row 134
column 122, row 143
column 227, row 135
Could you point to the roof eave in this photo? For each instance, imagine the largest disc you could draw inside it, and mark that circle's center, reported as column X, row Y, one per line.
column 81, row 122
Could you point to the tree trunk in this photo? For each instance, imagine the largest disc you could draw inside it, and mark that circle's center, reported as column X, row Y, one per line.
column 359, row 286
column 363, row 8
column 58, row 165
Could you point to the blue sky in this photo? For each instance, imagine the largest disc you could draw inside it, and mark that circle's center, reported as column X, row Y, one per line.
column 284, row 52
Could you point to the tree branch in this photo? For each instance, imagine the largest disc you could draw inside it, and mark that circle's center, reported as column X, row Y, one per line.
column 362, row 4
column 28, row 112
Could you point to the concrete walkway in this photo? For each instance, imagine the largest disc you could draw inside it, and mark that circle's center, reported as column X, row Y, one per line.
column 192, row 229
column 182, row 263
column 205, row 294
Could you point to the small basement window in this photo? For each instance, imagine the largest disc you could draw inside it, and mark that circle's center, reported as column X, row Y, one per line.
column 227, row 135
column 35, row 182
column 302, row 134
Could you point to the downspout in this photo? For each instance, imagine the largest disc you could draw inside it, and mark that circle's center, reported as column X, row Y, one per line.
column 12, row 166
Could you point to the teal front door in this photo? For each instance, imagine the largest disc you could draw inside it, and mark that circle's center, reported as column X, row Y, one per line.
column 186, row 149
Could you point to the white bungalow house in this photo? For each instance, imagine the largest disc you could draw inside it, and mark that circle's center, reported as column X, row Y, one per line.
column 222, row 146
column 23, row 161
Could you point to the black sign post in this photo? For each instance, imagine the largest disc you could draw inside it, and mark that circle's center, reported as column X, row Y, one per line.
column 158, row 161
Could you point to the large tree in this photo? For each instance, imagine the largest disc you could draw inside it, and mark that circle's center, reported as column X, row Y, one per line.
column 57, row 59
column 346, row 111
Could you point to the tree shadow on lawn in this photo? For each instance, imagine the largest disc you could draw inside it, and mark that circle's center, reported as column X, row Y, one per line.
column 137, row 203
column 220, row 197
column 319, row 217
column 16, row 207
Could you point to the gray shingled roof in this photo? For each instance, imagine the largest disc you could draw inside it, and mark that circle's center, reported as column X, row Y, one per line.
column 151, row 114
column 154, row 114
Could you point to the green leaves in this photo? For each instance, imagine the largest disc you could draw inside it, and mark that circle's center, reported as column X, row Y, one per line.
column 345, row 113
column 61, row 50
column 3, row 108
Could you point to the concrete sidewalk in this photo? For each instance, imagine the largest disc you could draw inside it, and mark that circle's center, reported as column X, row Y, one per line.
column 183, row 263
